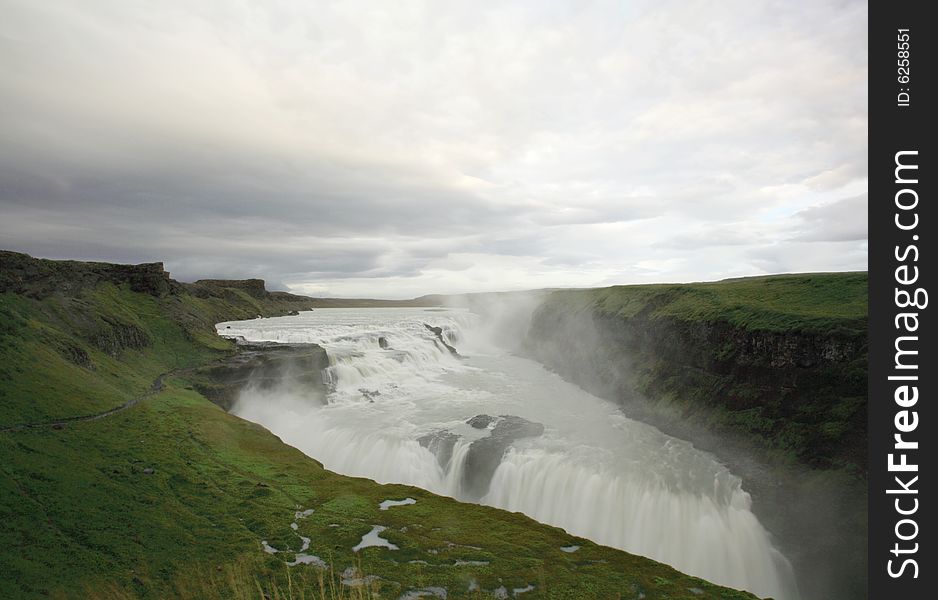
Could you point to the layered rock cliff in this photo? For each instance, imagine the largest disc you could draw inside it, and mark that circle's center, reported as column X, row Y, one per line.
column 38, row 278
column 791, row 391
column 768, row 373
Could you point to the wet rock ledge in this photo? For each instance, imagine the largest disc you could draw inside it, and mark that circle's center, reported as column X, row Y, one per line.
column 297, row 368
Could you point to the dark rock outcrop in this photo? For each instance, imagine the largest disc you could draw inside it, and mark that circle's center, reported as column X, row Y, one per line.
column 481, row 421
column 383, row 343
column 75, row 354
column 253, row 287
column 485, row 454
column 438, row 332
column 441, row 444
column 113, row 337
column 369, row 395
column 298, row 367
column 39, row 278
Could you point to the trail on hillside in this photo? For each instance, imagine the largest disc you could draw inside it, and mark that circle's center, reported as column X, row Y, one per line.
column 155, row 388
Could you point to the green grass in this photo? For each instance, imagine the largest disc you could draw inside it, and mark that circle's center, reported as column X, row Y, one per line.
column 41, row 379
column 814, row 302
column 79, row 512
column 81, row 515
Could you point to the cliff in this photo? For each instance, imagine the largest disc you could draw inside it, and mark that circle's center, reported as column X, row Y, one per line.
column 777, row 363
column 119, row 478
column 769, row 373
column 37, row 278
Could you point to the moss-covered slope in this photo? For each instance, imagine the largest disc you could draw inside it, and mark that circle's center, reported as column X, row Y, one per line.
column 173, row 497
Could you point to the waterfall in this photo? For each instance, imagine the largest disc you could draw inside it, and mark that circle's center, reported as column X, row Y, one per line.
column 398, row 412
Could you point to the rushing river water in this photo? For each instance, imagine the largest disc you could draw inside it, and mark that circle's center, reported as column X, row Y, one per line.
column 399, row 414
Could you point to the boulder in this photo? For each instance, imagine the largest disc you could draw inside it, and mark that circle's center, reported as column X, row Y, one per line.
column 440, row 443
column 481, row 421
column 264, row 366
column 438, row 332
column 486, row 454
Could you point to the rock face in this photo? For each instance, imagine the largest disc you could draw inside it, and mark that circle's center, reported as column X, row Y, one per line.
column 799, row 393
column 266, row 366
column 438, row 332
column 481, row 421
column 254, row 287
column 75, row 354
column 383, row 343
column 485, row 454
column 785, row 410
column 440, row 443
column 38, row 278
column 113, row 337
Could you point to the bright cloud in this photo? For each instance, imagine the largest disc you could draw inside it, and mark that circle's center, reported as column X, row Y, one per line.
column 376, row 149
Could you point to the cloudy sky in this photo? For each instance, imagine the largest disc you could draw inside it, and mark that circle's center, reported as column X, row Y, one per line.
column 393, row 149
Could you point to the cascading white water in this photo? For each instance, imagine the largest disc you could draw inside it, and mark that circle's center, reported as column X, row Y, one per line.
column 593, row 472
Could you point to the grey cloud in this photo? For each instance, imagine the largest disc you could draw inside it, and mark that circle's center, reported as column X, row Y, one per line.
column 356, row 150
column 810, row 256
column 841, row 221
column 739, row 234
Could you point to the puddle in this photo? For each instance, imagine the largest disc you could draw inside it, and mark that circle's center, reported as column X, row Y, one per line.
column 308, row 559
column 268, row 548
column 427, row 592
column 389, row 503
column 372, row 538
column 301, row 557
column 569, row 549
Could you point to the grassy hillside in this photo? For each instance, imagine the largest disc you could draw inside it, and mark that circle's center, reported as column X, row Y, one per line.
column 173, row 497
column 809, row 303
